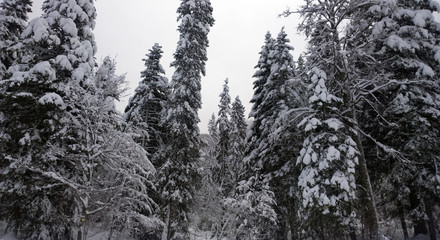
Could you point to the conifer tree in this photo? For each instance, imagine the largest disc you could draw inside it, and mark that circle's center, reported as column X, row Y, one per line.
column 277, row 99
column 402, row 60
column 253, row 190
column 13, row 18
column 122, row 174
column 328, row 160
column 212, row 128
column 60, row 131
column 178, row 176
column 272, row 140
column 237, row 139
column 223, row 145
column 145, row 107
column 261, row 75
column 322, row 22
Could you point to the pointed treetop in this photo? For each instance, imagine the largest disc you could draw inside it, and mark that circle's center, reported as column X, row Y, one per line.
column 196, row 21
column 152, row 62
column 212, row 127
column 225, row 101
column 237, row 116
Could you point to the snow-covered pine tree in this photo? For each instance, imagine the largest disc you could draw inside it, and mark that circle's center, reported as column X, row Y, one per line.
column 13, row 20
column 223, row 173
column 119, row 174
column 144, row 108
column 230, row 153
column 287, row 98
column 277, row 99
column 212, row 128
column 403, row 54
column 253, row 192
column 62, row 145
column 178, row 176
column 322, row 24
column 237, row 140
column 42, row 103
column 328, row 160
column 277, row 148
column 263, row 71
column 237, row 136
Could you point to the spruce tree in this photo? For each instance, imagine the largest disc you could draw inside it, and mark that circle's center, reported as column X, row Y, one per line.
column 237, row 139
column 261, row 75
column 46, row 122
column 178, row 176
column 272, row 143
column 213, row 128
column 145, row 107
column 327, row 51
column 402, row 59
column 253, row 190
column 328, row 160
column 276, row 100
column 223, row 145
column 13, row 20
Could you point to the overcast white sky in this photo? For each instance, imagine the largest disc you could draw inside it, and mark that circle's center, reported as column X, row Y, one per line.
column 127, row 29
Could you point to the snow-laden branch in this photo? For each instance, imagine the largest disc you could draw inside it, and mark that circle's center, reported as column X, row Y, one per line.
column 387, row 149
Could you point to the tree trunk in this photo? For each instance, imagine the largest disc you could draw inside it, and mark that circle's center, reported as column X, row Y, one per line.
column 166, row 228
column 419, row 223
column 366, row 196
column 402, row 219
column 431, row 225
column 353, row 235
column 110, row 235
column 82, row 230
column 293, row 225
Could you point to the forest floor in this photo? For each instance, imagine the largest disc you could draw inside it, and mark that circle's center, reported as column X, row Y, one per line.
column 195, row 235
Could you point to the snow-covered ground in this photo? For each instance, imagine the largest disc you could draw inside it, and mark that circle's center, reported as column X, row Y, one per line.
column 195, row 236
column 422, row 237
column 8, row 236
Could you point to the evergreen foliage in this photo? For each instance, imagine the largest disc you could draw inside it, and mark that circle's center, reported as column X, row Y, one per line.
column 65, row 159
column 144, row 109
column 328, row 160
column 403, row 106
column 13, row 18
column 350, row 127
column 178, row 176
column 43, row 118
column 224, row 141
column 262, row 74
column 237, row 140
